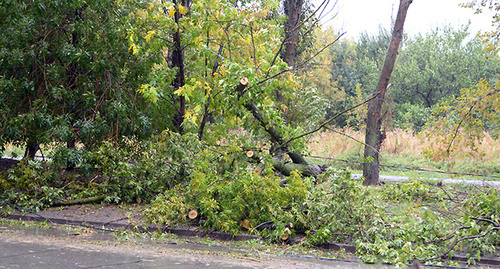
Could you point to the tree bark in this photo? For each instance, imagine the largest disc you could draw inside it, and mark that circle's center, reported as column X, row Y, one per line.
column 31, row 150
column 293, row 12
column 71, row 144
column 373, row 135
column 307, row 170
column 79, row 201
column 292, row 25
column 178, row 63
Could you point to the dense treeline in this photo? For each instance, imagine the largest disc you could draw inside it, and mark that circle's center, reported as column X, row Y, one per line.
column 77, row 72
column 431, row 68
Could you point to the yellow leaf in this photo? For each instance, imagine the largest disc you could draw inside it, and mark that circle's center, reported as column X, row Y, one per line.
column 246, row 224
column 198, row 40
column 191, row 116
column 284, row 108
column 143, row 89
column 171, row 12
column 179, row 91
column 183, row 10
column 141, row 13
column 149, row 35
column 134, row 49
column 222, row 71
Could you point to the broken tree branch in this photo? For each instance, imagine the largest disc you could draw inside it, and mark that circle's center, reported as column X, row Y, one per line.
column 299, row 162
column 79, row 201
column 496, row 228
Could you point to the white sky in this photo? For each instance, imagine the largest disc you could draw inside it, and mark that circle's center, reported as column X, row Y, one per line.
column 356, row 16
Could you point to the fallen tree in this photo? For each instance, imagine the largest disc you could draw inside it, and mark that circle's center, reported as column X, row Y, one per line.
column 299, row 163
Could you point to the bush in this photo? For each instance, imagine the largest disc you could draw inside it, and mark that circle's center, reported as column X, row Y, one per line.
column 340, row 208
column 30, row 185
column 238, row 199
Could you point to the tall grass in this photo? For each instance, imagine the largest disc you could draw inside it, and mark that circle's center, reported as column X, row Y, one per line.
column 405, row 149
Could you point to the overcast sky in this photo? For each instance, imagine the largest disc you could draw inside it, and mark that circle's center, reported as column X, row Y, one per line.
column 355, row 16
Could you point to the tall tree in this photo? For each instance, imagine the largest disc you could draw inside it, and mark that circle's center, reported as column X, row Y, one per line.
column 177, row 61
column 433, row 66
column 293, row 13
column 223, row 43
column 373, row 135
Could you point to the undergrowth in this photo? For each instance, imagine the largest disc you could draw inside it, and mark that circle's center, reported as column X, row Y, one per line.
column 392, row 223
column 126, row 172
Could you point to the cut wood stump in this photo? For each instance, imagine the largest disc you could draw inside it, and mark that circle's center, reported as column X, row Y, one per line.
column 192, row 214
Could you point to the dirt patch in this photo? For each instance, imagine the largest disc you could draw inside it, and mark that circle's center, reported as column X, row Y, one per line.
column 6, row 164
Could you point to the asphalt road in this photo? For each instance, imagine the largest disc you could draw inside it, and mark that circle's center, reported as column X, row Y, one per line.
column 35, row 255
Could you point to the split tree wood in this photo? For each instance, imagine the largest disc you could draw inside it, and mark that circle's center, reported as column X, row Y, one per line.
column 192, row 214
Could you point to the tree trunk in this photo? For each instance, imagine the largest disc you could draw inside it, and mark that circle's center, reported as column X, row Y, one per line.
column 31, row 150
column 178, row 63
column 373, row 135
column 71, row 144
column 307, row 170
column 79, row 201
column 293, row 11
